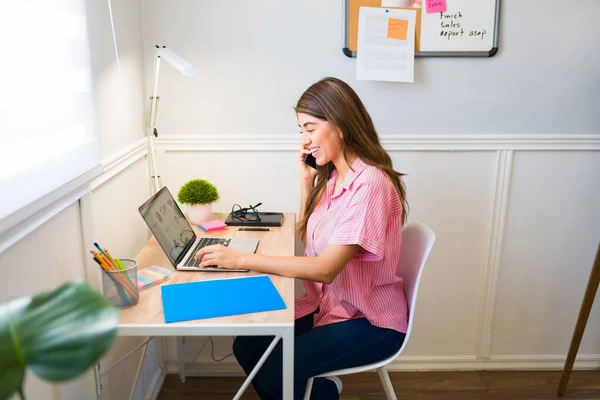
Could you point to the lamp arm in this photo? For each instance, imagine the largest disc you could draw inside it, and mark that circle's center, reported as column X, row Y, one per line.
column 154, row 99
column 154, row 175
column 151, row 123
column 182, row 66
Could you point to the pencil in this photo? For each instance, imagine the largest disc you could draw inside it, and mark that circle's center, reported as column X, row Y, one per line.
column 111, row 259
column 106, row 266
column 102, row 251
column 97, row 259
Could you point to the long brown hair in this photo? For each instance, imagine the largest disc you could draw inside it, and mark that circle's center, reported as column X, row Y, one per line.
column 333, row 100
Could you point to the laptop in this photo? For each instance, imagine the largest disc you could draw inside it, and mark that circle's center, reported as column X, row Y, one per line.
column 177, row 238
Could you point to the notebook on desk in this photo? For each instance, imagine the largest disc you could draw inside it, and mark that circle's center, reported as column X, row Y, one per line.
column 219, row 297
column 177, row 238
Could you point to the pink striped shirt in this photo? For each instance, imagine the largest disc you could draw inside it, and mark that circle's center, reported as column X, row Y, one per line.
column 366, row 211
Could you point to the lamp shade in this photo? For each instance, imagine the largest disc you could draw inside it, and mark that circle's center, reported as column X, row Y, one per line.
column 177, row 62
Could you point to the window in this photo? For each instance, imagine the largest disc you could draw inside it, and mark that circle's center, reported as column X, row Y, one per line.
column 47, row 134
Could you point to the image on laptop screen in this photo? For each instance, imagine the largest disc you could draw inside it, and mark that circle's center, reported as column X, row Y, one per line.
column 167, row 223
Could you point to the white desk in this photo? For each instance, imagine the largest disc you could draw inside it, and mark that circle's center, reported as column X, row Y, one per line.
column 147, row 319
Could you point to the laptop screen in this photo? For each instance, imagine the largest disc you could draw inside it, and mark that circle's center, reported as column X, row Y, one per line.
column 168, row 224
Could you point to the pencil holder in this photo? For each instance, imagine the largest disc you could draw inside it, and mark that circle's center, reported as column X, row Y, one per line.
column 120, row 285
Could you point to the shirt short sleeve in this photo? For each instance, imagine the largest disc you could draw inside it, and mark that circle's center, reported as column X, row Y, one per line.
column 364, row 221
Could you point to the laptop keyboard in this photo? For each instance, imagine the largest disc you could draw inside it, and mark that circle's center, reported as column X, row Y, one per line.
column 191, row 262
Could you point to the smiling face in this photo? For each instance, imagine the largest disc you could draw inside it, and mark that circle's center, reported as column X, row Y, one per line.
column 322, row 138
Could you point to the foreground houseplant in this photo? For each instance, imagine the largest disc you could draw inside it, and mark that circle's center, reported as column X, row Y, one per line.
column 198, row 195
column 58, row 335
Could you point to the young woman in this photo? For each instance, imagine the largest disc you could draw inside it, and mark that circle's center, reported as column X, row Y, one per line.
column 352, row 210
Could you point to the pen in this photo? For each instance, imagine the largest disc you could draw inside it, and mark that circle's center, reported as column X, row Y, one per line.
column 103, row 252
column 253, row 229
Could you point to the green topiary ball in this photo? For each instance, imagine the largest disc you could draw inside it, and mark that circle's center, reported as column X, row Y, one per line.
column 198, row 191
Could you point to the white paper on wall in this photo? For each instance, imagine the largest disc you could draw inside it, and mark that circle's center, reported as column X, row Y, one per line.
column 386, row 44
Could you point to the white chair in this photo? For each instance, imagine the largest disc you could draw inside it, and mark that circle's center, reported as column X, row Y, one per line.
column 417, row 241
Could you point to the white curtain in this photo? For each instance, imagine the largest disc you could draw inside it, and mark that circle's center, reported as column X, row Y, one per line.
column 47, row 136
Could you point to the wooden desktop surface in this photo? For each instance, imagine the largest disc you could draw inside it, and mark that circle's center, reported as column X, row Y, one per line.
column 279, row 241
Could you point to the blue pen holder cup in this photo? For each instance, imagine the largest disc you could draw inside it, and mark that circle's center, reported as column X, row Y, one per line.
column 120, row 286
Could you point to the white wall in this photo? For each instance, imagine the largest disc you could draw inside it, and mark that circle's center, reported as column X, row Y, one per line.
column 117, row 65
column 504, row 282
column 254, row 59
column 551, row 234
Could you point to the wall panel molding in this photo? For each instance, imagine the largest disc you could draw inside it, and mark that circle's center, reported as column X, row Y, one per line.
column 121, row 161
column 409, row 142
column 505, row 146
column 20, row 224
column 55, row 202
column 490, row 279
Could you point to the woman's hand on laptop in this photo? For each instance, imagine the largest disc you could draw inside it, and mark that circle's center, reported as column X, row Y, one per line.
column 219, row 255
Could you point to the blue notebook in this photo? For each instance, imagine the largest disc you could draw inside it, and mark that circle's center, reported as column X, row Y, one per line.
column 221, row 297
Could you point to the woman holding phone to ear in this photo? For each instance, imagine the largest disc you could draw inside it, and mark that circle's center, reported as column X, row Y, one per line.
column 353, row 207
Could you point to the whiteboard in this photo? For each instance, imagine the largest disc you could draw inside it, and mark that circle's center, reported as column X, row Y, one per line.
column 468, row 28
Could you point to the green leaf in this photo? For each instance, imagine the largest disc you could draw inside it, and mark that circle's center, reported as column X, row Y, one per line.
column 10, row 381
column 12, row 372
column 61, row 333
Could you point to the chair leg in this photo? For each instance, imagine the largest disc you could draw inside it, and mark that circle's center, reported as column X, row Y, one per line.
column 387, row 384
column 308, row 390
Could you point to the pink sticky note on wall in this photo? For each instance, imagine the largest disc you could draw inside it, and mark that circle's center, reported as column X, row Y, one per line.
column 435, row 6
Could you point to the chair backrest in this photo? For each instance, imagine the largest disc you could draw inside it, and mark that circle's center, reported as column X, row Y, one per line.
column 417, row 241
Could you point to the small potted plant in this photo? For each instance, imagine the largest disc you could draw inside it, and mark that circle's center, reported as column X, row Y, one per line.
column 198, row 195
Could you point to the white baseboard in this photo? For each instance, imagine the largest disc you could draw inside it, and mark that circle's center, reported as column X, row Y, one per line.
column 510, row 362
column 156, row 385
column 230, row 367
column 207, row 367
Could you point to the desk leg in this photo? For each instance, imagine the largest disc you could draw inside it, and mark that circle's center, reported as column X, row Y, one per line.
column 288, row 364
column 584, row 313
column 179, row 345
column 164, row 344
column 257, row 367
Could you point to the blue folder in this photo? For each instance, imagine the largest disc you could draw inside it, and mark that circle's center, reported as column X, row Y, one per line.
column 217, row 298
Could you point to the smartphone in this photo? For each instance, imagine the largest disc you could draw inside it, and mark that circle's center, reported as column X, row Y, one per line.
column 310, row 161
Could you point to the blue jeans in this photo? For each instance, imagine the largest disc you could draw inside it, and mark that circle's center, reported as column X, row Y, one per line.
column 316, row 351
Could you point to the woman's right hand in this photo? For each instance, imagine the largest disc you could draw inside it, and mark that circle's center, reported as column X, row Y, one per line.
column 307, row 173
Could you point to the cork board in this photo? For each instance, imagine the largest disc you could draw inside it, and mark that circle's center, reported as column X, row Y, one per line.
column 353, row 7
column 467, row 28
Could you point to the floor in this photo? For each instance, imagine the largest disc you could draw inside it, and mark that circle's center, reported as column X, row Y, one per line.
column 485, row 385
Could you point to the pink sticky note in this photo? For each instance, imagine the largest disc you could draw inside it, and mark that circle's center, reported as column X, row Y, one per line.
column 213, row 225
column 436, row 6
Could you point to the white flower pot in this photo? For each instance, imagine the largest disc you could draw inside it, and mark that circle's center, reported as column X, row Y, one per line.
column 199, row 213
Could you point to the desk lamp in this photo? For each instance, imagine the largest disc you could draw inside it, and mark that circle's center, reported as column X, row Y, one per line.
column 161, row 53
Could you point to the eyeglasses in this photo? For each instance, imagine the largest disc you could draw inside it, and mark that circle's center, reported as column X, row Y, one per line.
column 249, row 213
